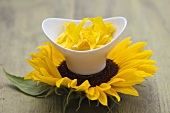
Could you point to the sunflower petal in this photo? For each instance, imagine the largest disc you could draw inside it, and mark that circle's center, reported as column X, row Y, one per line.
column 133, row 64
column 112, row 92
column 93, row 96
column 29, row 75
column 135, row 48
column 148, row 68
column 54, row 71
column 143, row 74
column 127, row 73
column 63, row 81
column 44, row 72
column 115, row 52
column 127, row 90
column 84, row 86
column 33, row 64
column 73, row 83
column 90, row 91
column 104, row 86
column 129, row 82
column 49, row 80
column 102, row 97
column 114, row 80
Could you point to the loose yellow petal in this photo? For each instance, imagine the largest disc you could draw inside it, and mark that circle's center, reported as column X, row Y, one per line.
column 77, row 37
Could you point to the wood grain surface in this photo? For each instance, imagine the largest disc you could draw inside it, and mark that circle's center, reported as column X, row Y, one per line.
column 21, row 33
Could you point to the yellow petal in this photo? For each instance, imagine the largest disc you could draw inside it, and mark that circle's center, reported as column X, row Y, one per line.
column 148, row 68
column 77, row 32
column 93, row 96
column 127, row 73
column 129, row 82
column 58, row 57
column 130, row 76
column 79, row 38
column 143, row 74
column 34, row 78
column 127, row 90
column 63, row 81
column 40, row 61
column 54, row 71
column 44, row 72
column 73, row 83
column 90, row 91
column 114, row 80
column 112, row 92
column 102, row 97
column 133, row 64
column 33, row 64
column 115, row 52
column 144, row 54
column 84, row 86
column 29, row 75
column 135, row 48
column 98, row 21
column 49, row 80
column 104, row 86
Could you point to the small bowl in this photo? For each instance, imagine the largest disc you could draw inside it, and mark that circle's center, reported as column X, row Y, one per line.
column 83, row 62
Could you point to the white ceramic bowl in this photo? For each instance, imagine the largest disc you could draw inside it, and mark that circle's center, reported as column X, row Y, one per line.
column 83, row 62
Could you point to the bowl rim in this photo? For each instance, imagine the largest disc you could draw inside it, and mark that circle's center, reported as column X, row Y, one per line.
column 86, row 51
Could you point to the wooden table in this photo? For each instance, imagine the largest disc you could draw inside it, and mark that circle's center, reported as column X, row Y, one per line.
column 21, row 33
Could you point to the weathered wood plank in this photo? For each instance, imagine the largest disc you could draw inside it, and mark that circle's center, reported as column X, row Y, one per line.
column 20, row 33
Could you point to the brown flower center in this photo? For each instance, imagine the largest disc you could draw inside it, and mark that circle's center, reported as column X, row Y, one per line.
column 103, row 76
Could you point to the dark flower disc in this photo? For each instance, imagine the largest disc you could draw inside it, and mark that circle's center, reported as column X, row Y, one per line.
column 96, row 79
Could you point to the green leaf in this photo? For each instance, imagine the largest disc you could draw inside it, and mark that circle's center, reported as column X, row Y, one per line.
column 27, row 86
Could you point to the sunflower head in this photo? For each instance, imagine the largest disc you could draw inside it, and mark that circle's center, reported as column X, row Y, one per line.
column 127, row 65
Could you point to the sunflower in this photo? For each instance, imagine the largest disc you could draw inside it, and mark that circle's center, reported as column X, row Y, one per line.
column 126, row 66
